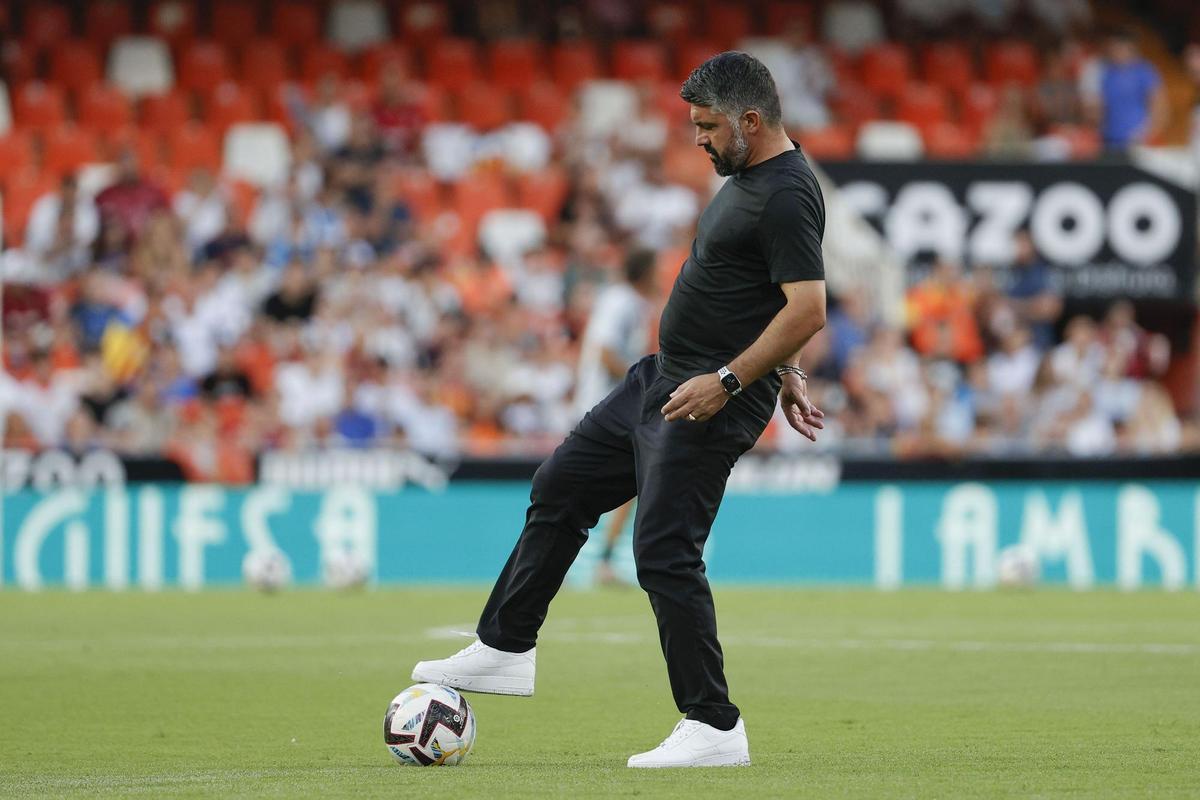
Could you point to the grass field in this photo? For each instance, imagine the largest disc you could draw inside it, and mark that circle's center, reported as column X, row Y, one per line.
column 845, row 693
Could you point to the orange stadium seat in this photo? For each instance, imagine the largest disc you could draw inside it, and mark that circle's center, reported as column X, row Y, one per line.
column 193, row 145
column 46, row 23
column 229, row 104
column 544, row 192
column 203, row 65
column 38, row 105
column 419, row 191
column 835, row 142
column 18, row 62
column 21, row 190
column 885, row 69
column 451, row 63
column 1084, row 142
column 264, row 65
column 978, row 106
column 357, row 95
column 573, row 63
column 1011, row 62
column 691, row 54
column 74, row 64
column 166, row 112
column 484, row 106
column 296, row 23
column 854, row 105
column 949, row 141
column 669, row 103
column 104, row 108
column 145, row 144
column 949, row 65
column 16, row 152
column 514, row 63
column 475, row 195
column 105, row 20
column 783, row 13
column 375, row 61
column 543, row 103
column 173, row 21
column 727, row 23
column 922, row 105
column 67, row 148
column 317, row 61
column 635, row 59
column 234, row 22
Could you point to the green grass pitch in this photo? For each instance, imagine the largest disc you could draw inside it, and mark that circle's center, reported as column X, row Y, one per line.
column 851, row 694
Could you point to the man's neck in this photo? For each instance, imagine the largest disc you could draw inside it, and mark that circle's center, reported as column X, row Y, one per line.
column 774, row 145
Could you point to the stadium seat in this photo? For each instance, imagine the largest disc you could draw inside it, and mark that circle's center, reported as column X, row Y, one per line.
column 477, row 194
column 574, row 63
column 229, row 104
column 508, row 234
column 104, row 108
column 834, row 143
column 423, row 22
column 922, row 105
column 355, row 25
column 544, row 191
column 451, row 63
column 727, row 23
column 203, row 65
column 484, row 106
column 605, row 106
column 140, row 65
column 946, row 140
column 38, row 105
column 1082, row 142
column 670, row 22
column 6, row 121
column 852, row 25
column 635, row 59
column 74, row 64
column 887, row 140
column 357, row 95
column 514, row 63
column 979, row 104
column 193, row 145
column 173, row 21
column 543, row 104
column 165, row 112
column 949, row 65
column 16, row 152
column 264, row 65
column 234, row 23
column 258, row 153
column 68, row 147
column 885, row 69
column 18, row 62
column 419, row 191
column 691, row 54
column 1011, row 62
column 317, row 61
column 21, row 189
column 105, row 20
column 296, row 23
column 46, row 23
column 377, row 60
column 854, row 105
column 783, row 13
column 145, row 144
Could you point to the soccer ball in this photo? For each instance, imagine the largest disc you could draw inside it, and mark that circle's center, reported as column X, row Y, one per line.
column 266, row 570
column 345, row 570
column 429, row 726
column 1017, row 566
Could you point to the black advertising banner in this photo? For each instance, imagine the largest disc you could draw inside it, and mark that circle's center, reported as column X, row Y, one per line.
column 1108, row 230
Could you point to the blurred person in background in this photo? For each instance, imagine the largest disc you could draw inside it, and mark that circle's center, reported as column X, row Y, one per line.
column 131, row 200
column 1142, row 354
column 1009, row 133
column 202, row 208
column 61, row 228
column 1132, row 100
column 939, row 310
column 617, row 335
column 1191, row 61
column 1032, row 292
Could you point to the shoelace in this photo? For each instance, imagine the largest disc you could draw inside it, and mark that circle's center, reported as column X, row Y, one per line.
column 682, row 728
column 471, row 648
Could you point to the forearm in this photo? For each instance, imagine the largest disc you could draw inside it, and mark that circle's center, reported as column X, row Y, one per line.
column 781, row 342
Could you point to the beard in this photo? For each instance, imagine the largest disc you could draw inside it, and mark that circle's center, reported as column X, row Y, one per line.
column 733, row 158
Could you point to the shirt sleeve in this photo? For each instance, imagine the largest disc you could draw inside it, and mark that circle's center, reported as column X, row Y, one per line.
column 792, row 224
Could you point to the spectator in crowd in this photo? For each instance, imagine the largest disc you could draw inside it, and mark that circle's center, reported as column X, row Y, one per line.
column 399, row 112
column 141, row 425
column 131, row 201
column 202, row 208
column 1191, row 60
column 940, row 315
column 1032, row 292
column 1132, row 101
column 1139, row 353
column 1009, row 134
column 802, row 74
column 62, row 226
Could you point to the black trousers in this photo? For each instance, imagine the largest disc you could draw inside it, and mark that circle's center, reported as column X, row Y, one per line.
column 622, row 448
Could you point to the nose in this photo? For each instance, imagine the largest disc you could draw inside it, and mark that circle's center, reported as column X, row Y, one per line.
column 702, row 139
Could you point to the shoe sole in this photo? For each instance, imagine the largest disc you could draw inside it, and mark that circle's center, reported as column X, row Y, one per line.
column 727, row 760
column 483, row 684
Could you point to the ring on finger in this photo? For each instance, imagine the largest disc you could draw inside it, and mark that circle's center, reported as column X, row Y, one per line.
column 692, row 417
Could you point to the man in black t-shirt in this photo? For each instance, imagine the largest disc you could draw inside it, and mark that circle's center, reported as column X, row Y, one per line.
column 749, row 297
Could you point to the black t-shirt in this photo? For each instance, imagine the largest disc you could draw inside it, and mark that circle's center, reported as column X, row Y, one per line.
column 763, row 228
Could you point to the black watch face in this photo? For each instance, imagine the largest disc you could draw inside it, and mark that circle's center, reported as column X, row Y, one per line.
column 731, row 383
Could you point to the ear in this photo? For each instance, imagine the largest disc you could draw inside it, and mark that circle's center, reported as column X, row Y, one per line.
column 751, row 121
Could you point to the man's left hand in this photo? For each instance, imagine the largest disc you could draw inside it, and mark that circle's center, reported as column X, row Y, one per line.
column 697, row 400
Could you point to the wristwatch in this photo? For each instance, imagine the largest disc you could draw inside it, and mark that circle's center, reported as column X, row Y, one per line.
column 730, row 382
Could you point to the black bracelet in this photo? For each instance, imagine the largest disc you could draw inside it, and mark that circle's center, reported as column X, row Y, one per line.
column 788, row 369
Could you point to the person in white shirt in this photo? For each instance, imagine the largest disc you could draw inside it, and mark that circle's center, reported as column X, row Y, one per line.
column 62, row 225
column 617, row 335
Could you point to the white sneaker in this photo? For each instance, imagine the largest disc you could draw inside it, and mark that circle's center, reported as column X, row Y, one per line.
column 696, row 744
column 479, row 668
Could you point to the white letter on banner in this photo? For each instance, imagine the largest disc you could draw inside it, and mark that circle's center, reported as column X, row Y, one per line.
column 1056, row 537
column 1196, row 536
column 968, row 521
column 75, row 556
column 116, row 538
column 261, row 503
column 1002, row 206
column 150, row 538
column 925, row 216
column 1068, row 201
column 1138, row 533
column 347, row 523
column 889, row 538
column 53, row 510
column 1137, row 202
column 196, row 529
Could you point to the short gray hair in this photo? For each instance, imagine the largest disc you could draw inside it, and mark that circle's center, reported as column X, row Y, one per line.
column 732, row 83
